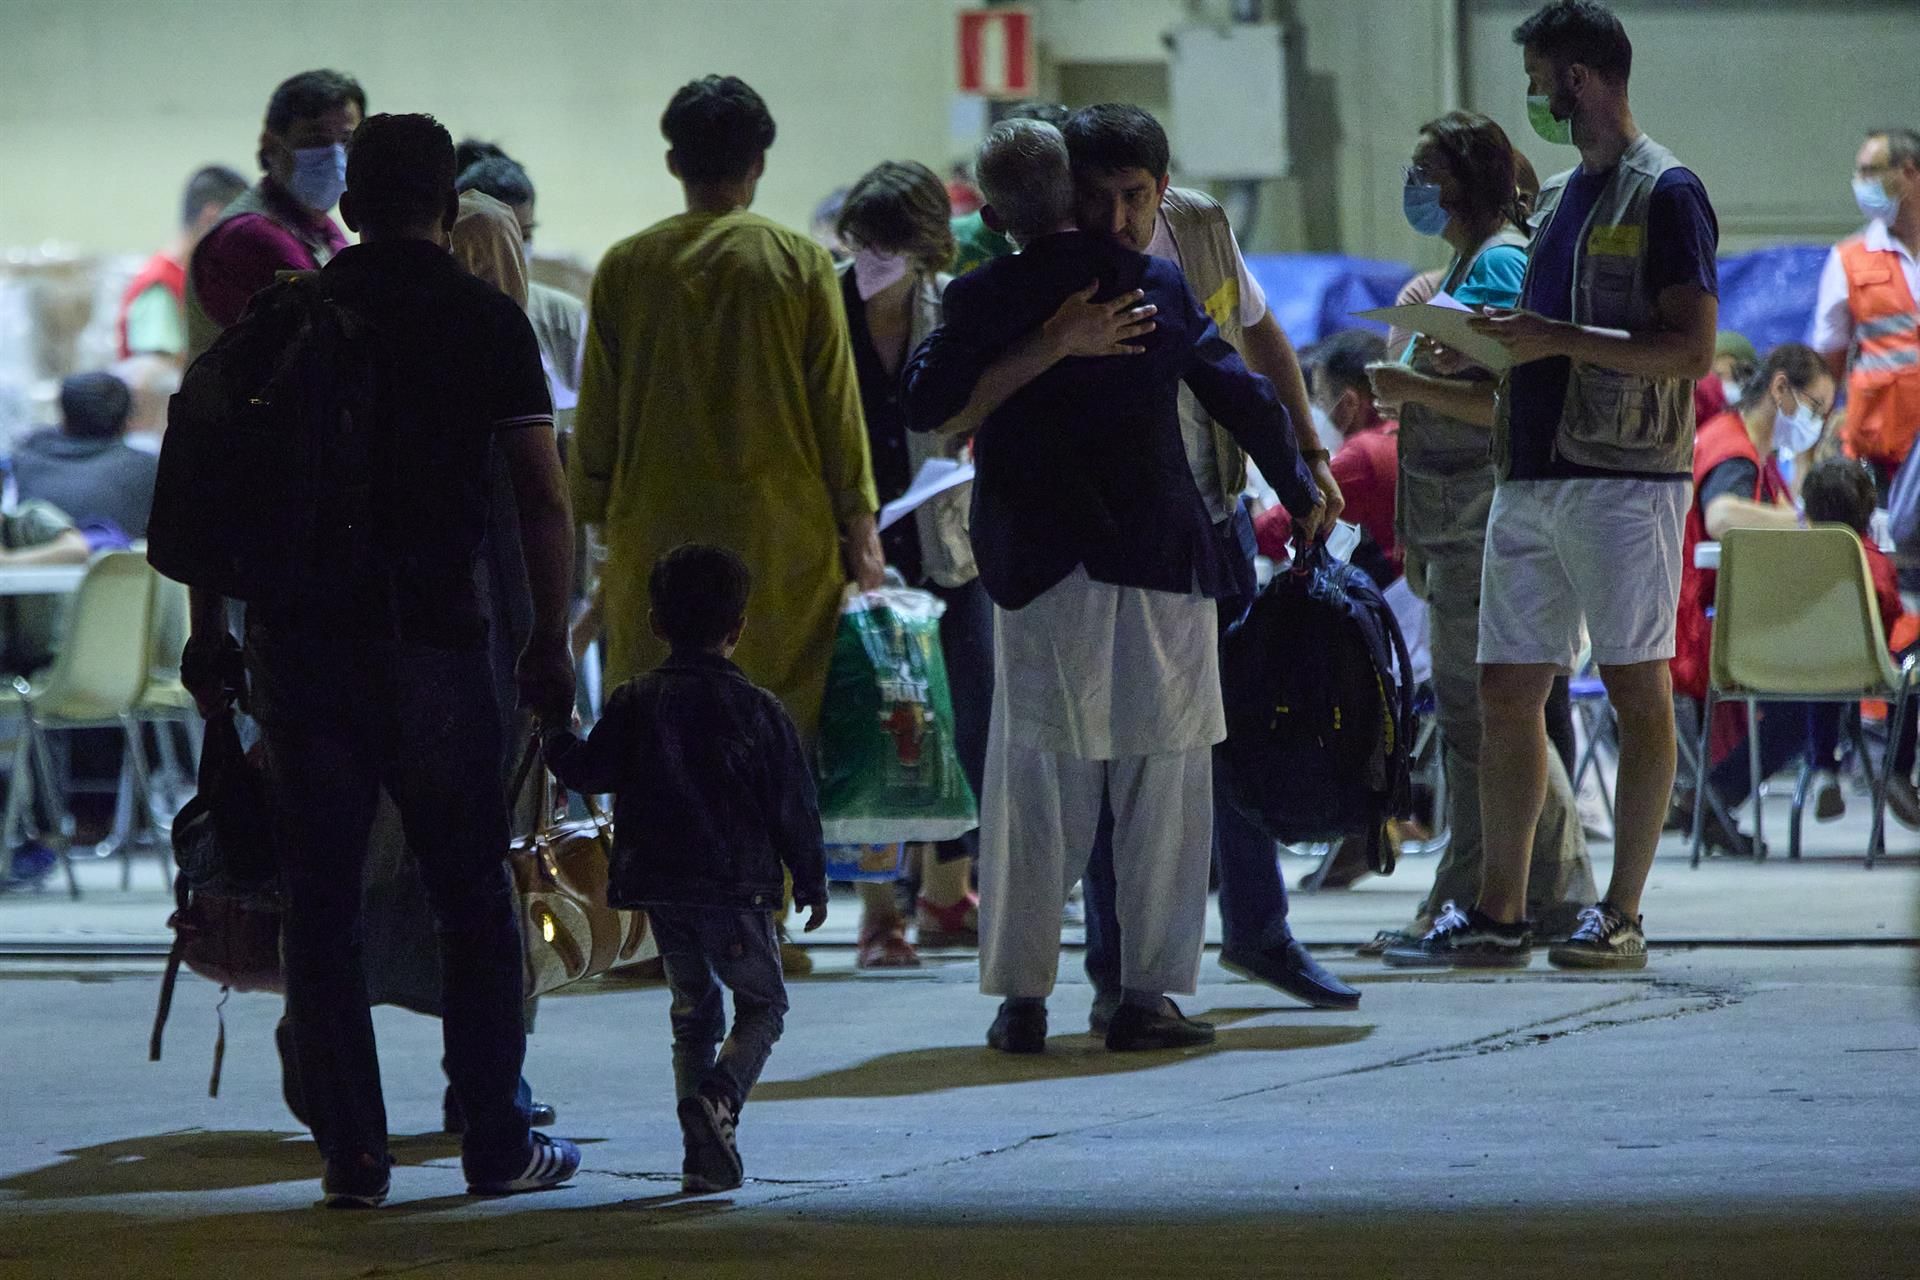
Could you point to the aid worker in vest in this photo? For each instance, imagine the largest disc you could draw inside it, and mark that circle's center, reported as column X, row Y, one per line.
column 280, row 223
column 152, row 319
column 1593, row 437
column 1461, row 188
column 1867, row 319
column 1120, row 161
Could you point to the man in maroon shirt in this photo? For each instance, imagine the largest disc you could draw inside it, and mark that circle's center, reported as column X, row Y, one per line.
column 281, row 223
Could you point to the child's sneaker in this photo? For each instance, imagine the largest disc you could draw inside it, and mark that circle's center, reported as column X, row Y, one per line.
column 708, row 1123
column 1829, row 802
column 1605, row 939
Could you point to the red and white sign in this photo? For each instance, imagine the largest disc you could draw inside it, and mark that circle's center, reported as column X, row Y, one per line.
column 996, row 53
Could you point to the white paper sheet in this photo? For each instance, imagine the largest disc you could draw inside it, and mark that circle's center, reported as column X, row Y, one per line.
column 937, row 475
column 1444, row 319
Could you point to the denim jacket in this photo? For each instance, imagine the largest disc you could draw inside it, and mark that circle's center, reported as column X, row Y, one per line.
column 713, row 793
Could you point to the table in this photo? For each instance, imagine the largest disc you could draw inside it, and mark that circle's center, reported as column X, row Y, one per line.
column 41, row 580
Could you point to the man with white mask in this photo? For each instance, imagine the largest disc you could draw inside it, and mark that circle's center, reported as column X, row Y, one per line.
column 281, row 223
column 1866, row 321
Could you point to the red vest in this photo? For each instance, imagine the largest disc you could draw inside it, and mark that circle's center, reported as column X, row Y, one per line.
column 1723, row 439
column 160, row 270
column 1883, row 378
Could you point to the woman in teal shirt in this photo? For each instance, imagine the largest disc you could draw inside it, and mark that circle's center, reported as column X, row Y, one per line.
column 1461, row 187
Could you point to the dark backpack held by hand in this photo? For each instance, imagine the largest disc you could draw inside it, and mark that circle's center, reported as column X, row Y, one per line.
column 1319, row 701
column 264, row 492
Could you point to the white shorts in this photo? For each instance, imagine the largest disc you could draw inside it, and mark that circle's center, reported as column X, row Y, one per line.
column 1567, row 556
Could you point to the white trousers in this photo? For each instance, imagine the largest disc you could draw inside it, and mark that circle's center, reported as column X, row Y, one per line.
column 1037, row 823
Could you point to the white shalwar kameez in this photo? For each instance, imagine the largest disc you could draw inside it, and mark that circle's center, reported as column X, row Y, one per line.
column 1100, row 692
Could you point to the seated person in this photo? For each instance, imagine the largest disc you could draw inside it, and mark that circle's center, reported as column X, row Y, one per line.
column 34, row 534
column 1837, row 491
column 1367, row 464
column 85, row 467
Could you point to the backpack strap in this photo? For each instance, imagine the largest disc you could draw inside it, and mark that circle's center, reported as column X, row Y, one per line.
column 175, row 954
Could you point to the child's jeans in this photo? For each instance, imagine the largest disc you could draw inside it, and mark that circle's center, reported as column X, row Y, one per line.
column 704, row 949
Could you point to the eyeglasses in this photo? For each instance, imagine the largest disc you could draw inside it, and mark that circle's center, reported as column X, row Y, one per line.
column 1825, row 414
column 1413, row 175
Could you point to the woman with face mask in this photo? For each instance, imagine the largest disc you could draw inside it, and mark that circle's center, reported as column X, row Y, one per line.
column 1461, row 187
column 896, row 223
column 1739, row 481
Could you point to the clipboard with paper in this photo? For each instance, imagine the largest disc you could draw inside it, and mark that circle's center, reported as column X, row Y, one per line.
column 1445, row 320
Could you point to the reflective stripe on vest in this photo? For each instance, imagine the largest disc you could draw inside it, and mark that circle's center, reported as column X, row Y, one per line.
column 1883, row 381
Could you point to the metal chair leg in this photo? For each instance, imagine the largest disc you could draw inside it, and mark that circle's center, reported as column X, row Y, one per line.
column 1702, row 783
column 1800, row 789
column 57, row 832
column 1753, row 777
column 1883, row 777
column 144, row 824
column 19, row 792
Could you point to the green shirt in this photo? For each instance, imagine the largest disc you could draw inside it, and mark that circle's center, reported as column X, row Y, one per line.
column 978, row 244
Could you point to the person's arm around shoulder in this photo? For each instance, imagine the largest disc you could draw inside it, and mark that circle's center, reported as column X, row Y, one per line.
column 1682, row 239
column 955, row 384
column 795, row 810
column 597, row 763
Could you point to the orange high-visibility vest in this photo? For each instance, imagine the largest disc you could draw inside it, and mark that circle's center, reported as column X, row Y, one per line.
column 1883, row 379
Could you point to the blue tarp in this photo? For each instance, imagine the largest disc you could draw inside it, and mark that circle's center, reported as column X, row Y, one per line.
column 1768, row 295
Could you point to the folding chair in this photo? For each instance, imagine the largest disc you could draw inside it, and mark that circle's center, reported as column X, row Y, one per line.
column 1796, row 620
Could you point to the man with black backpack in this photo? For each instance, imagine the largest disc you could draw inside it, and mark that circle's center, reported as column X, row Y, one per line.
column 327, row 461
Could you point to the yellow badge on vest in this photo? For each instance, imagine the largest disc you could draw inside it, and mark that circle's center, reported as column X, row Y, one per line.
column 1223, row 308
column 1619, row 241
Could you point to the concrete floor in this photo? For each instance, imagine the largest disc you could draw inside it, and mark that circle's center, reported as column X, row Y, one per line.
column 1738, row 1112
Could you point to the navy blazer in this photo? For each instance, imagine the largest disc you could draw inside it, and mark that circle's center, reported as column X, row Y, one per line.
column 1085, row 464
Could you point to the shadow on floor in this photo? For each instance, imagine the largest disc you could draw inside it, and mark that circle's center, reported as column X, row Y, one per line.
column 941, row 1070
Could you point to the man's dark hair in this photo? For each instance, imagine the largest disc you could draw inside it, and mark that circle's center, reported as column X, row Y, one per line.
column 214, row 184
column 1480, row 157
column 899, row 206
column 496, row 176
column 471, row 151
column 1839, row 491
column 1903, row 145
column 1113, row 136
column 311, row 94
column 1340, row 362
column 699, row 595
column 718, row 128
column 399, row 170
column 1582, row 31
column 94, row 405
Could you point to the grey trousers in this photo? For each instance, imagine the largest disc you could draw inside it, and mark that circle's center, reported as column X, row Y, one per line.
column 1444, row 523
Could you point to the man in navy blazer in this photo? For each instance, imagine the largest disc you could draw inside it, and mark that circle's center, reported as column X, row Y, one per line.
column 1066, row 361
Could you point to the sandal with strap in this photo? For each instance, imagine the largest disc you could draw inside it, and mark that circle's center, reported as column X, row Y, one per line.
column 886, row 947
column 954, row 925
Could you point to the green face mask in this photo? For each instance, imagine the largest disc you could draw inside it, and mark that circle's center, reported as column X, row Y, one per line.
column 1540, row 116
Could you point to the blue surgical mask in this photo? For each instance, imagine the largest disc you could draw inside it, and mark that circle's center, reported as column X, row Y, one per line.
column 319, row 176
column 1875, row 204
column 1420, row 201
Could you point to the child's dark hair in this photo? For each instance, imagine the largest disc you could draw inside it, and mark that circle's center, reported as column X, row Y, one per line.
column 1839, row 491
column 699, row 595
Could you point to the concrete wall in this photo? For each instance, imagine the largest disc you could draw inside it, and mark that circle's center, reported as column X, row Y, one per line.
column 107, row 105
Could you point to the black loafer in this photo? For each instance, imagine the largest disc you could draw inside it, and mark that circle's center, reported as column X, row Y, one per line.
column 1292, row 969
column 1019, row 1028
column 1134, row 1029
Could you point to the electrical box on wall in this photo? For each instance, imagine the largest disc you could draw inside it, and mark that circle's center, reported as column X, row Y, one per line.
column 1228, row 91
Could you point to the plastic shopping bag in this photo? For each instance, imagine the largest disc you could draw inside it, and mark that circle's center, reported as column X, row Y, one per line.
column 889, row 773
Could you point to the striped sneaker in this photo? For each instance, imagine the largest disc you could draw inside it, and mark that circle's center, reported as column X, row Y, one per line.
column 709, row 1125
column 553, row 1163
column 1606, row 938
column 359, row 1182
column 1466, row 940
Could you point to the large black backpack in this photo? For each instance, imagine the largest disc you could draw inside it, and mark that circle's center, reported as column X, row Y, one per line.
column 1319, row 703
column 265, row 487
